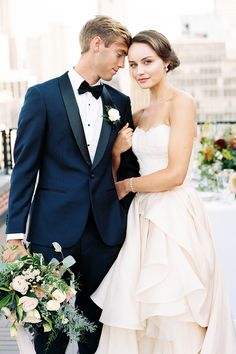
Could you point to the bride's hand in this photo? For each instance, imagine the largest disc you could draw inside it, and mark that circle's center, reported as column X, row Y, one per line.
column 123, row 141
column 121, row 189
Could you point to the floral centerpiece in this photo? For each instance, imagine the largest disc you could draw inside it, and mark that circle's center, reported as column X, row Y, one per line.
column 214, row 155
column 38, row 297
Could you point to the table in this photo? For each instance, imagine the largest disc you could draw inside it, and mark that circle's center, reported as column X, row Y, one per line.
column 222, row 218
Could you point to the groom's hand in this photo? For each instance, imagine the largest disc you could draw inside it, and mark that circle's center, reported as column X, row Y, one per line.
column 13, row 250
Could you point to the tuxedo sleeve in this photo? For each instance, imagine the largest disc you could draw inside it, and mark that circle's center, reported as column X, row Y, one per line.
column 27, row 155
column 129, row 166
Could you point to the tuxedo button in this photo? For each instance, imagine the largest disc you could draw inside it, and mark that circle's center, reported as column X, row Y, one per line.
column 92, row 175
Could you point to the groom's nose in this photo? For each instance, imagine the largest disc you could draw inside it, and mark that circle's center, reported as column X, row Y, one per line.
column 121, row 63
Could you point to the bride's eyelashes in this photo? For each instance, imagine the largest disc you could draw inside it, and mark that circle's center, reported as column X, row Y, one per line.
column 132, row 65
column 145, row 62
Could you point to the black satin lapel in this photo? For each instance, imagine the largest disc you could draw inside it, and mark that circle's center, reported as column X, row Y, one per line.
column 74, row 116
column 106, row 129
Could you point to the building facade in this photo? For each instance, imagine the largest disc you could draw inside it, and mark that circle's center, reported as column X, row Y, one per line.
column 208, row 74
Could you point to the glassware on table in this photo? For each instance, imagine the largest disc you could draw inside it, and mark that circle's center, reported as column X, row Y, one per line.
column 223, row 185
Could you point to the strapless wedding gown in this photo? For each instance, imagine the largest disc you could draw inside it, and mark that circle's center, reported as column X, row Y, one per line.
column 164, row 293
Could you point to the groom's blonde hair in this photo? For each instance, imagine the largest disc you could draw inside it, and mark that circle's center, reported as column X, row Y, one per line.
column 105, row 27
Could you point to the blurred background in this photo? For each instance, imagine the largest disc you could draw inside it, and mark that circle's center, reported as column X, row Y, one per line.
column 39, row 40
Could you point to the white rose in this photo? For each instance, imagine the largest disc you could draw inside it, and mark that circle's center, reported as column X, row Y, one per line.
column 113, row 114
column 20, row 284
column 28, row 303
column 219, row 155
column 58, row 295
column 53, row 305
column 33, row 317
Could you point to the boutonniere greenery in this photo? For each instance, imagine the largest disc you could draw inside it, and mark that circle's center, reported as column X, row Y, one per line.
column 111, row 115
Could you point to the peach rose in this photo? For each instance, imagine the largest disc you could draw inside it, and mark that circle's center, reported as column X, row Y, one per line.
column 28, row 303
column 33, row 317
column 20, row 284
column 58, row 295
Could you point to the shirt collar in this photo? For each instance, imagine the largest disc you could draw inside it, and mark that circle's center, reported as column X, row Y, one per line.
column 76, row 79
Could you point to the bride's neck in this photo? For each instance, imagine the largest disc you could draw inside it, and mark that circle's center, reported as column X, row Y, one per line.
column 161, row 92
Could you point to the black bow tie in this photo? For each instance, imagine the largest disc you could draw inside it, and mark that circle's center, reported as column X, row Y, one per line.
column 96, row 91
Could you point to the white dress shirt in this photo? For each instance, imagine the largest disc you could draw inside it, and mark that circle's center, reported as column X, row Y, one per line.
column 91, row 112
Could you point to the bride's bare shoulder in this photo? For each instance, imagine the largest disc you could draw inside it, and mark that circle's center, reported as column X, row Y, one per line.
column 136, row 116
column 181, row 97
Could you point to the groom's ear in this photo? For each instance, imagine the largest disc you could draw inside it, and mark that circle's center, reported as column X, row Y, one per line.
column 96, row 43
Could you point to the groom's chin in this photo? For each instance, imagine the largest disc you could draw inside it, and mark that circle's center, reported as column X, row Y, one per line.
column 108, row 77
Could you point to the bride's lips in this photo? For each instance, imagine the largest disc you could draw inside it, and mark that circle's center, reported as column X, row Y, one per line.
column 142, row 81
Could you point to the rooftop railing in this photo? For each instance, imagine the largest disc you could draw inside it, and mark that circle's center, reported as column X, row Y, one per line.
column 8, row 136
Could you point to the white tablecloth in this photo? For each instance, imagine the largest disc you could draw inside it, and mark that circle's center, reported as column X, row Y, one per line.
column 222, row 219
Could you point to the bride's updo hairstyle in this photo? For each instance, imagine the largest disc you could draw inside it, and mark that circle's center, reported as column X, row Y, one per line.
column 160, row 44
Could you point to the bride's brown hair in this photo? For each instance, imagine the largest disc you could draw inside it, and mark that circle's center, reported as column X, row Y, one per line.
column 160, row 44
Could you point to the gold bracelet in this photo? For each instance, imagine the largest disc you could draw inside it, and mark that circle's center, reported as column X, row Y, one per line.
column 131, row 184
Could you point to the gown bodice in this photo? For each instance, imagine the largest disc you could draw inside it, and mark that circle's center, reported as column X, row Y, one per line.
column 151, row 149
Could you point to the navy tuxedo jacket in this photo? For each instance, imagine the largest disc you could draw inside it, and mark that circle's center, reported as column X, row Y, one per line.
column 51, row 149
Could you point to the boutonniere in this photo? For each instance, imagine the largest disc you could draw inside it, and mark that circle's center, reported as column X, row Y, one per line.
column 111, row 115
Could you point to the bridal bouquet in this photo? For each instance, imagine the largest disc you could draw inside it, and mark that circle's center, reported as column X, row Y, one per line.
column 33, row 295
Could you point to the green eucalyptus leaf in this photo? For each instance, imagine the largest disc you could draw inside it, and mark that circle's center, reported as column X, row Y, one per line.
column 57, row 247
column 2, row 266
column 20, row 312
column 54, row 261
column 4, row 302
column 5, row 289
column 68, row 261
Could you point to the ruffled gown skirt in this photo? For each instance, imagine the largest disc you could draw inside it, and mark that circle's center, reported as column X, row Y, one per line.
column 164, row 293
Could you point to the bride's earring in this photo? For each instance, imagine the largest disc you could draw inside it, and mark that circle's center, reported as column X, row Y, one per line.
column 166, row 67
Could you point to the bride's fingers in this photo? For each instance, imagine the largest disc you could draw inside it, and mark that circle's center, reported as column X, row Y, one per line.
column 124, row 127
column 127, row 133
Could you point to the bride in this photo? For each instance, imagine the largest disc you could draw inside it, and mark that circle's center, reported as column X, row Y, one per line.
column 164, row 293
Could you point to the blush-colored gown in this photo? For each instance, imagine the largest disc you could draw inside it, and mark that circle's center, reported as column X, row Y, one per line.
column 164, row 293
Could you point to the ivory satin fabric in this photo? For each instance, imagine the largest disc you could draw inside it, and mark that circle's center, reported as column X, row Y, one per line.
column 164, row 294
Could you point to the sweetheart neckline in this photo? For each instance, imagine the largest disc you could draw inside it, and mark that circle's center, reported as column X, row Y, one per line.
column 156, row 126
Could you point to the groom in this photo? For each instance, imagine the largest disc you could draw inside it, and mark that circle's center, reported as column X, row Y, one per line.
column 63, row 140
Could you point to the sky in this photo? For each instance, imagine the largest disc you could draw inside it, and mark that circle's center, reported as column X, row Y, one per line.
column 165, row 15
column 34, row 16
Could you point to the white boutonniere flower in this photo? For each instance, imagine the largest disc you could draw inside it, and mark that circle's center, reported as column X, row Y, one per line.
column 112, row 115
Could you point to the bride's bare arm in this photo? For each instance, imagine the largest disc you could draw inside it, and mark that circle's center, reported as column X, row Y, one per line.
column 182, row 132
